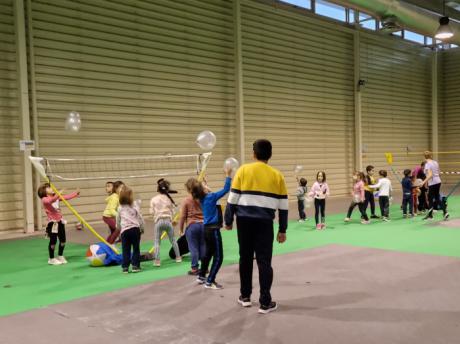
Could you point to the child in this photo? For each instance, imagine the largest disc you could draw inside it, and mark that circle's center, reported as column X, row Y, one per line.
column 110, row 213
column 162, row 208
column 192, row 216
column 407, row 193
column 369, row 192
column 56, row 224
column 320, row 191
column 384, row 184
column 300, row 193
column 358, row 198
column 130, row 223
column 212, row 236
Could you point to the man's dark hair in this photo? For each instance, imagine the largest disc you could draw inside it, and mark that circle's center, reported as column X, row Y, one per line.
column 262, row 149
column 369, row 168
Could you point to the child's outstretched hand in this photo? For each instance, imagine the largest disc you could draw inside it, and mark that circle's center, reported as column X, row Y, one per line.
column 228, row 171
column 77, row 191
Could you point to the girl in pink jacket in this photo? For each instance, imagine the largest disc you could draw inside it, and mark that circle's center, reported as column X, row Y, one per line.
column 55, row 228
column 320, row 191
column 358, row 198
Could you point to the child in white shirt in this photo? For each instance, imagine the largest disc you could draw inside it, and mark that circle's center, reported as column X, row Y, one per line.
column 384, row 184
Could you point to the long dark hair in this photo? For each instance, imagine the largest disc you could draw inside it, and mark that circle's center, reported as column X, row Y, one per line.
column 164, row 188
column 197, row 190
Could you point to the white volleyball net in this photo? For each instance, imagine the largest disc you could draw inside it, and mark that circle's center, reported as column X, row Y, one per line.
column 78, row 169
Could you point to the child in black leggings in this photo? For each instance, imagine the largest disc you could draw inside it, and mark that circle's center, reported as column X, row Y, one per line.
column 320, row 191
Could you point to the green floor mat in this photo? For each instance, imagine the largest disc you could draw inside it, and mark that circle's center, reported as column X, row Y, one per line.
column 28, row 282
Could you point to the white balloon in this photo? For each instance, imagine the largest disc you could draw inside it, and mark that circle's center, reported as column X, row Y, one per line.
column 206, row 140
column 298, row 169
column 231, row 163
column 73, row 122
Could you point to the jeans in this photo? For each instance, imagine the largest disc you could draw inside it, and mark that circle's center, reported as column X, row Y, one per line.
column 131, row 238
column 214, row 251
column 384, row 202
column 256, row 236
column 408, row 201
column 320, row 207
column 164, row 225
column 301, row 207
column 362, row 210
column 195, row 240
column 369, row 196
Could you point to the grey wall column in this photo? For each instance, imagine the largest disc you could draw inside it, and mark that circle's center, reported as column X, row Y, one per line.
column 434, row 105
column 357, row 99
column 239, row 100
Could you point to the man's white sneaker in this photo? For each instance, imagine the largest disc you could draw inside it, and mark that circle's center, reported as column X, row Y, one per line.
column 62, row 259
column 54, row 261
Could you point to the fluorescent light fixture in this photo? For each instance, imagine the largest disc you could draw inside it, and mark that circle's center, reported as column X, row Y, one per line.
column 444, row 31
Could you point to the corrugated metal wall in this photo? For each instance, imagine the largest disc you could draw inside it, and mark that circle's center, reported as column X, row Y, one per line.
column 11, row 215
column 396, row 101
column 146, row 77
column 298, row 92
column 450, row 114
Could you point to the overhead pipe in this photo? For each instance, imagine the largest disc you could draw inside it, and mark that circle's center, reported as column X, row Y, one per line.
column 408, row 16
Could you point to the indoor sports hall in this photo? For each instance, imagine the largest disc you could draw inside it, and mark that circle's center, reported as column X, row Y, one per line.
column 229, row 171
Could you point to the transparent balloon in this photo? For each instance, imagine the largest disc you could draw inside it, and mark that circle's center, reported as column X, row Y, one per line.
column 298, row 169
column 308, row 202
column 73, row 122
column 206, row 140
column 232, row 164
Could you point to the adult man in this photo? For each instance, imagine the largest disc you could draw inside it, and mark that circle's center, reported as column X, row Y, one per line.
column 258, row 190
column 434, row 186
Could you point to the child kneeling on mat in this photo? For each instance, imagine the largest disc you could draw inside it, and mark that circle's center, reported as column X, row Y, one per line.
column 131, row 225
column 56, row 224
column 212, row 225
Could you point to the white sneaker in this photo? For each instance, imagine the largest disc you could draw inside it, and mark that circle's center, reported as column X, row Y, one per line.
column 179, row 260
column 62, row 259
column 54, row 261
column 347, row 219
column 156, row 262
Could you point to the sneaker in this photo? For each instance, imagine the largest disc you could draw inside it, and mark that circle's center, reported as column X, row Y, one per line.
column 301, row 220
column 136, row 269
column 426, row 218
column 179, row 260
column 365, row 222
column 323, row 226
column 347, row 219
column 318, row 226
column 62, row 259
column 201, row 280
column 411, row 215
column 54, row 261
column 386, row 219
column 193, row 272
column 405, row 216
column 245, row 301
column 374, row 217
column 273, row 306
column 446, row 216
column 213, row 285
column 156, row 262
column 125, row 270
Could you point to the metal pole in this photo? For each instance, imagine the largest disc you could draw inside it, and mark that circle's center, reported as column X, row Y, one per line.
column 33, row 97
column 239, row 99
column 23, row 104
column 434, row 105
column 357, row 99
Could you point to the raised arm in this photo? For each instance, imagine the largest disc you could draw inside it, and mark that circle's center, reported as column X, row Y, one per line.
column 232, row 201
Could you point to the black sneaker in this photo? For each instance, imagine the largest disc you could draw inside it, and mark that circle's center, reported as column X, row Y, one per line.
column 125, row 270
column 193, row 272
column 446, row 216
column 213, row 285
column 273, row 306
column 136, row 269
column 428, row 218
column 201, row 280
column 374, row 217
column 245, row 301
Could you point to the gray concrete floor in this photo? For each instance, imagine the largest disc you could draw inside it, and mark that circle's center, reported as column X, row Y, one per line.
column 333, row 294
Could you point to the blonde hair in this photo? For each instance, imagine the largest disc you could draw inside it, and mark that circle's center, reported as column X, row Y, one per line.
column 428, row 155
